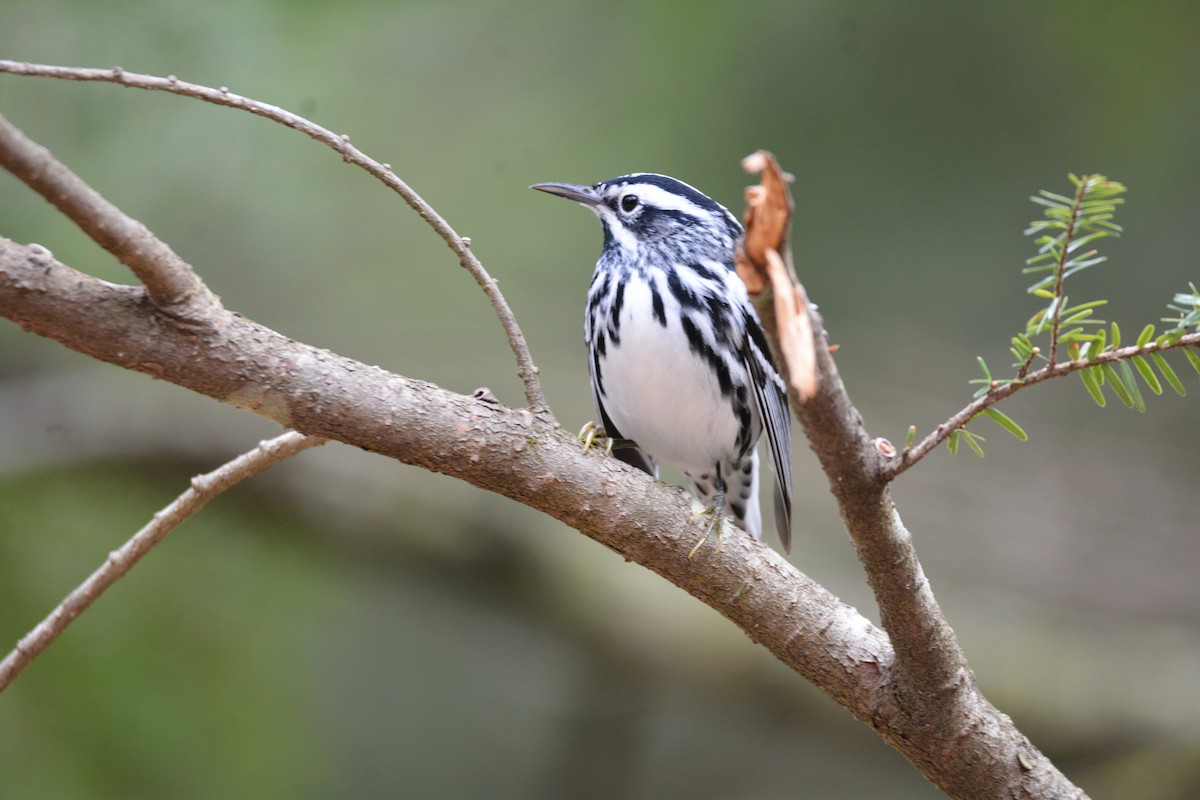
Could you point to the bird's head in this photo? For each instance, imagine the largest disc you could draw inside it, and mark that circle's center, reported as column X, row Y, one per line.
column 649, row 217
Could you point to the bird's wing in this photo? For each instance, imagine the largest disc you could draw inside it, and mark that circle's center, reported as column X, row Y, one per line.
column 771, row 396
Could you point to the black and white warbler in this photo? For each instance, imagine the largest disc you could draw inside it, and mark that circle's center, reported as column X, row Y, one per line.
column 681, row 371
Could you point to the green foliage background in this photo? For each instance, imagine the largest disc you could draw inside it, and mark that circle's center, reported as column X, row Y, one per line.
column 346, row 626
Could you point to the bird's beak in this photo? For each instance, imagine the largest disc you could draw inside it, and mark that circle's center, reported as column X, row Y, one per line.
column 580, row 194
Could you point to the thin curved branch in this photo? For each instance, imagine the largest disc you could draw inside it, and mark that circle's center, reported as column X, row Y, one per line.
column 911, row 455
column 461, row 246
column 119, row 562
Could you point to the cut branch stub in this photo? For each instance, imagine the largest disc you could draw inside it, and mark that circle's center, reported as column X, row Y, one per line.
column 768, row 214
column 763, row 259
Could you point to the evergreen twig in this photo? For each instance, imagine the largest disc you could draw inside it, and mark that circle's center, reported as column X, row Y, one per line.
column 1069, row 223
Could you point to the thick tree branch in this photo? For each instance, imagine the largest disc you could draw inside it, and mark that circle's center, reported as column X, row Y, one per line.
column 461, row 246
column 509, row 451
column 119, row 562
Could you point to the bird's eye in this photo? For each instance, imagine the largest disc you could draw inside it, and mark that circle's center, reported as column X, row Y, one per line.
column 629, row 203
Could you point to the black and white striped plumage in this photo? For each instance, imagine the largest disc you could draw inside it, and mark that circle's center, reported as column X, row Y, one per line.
column 677, row 356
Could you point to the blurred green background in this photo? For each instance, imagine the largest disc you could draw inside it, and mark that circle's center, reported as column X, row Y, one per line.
column 345, row 626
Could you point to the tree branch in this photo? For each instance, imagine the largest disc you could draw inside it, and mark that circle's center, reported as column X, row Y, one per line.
column 1060, row 268
column 461, row 246
column 204, row 488
column 931, row 688
column 914, row 690
column 508, row 451
column 170, row 281
column 532, row 460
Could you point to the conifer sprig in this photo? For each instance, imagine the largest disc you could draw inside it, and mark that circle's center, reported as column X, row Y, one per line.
column 1065, row 237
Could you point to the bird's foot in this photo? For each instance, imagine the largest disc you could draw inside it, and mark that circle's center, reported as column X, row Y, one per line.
column 715, row 530
column 592, row 434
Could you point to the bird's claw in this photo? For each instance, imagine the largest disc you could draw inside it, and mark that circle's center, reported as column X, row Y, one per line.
column 591, row 433
column 715, row 531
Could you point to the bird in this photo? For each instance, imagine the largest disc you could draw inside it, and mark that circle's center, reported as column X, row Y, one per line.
column 680, row 368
